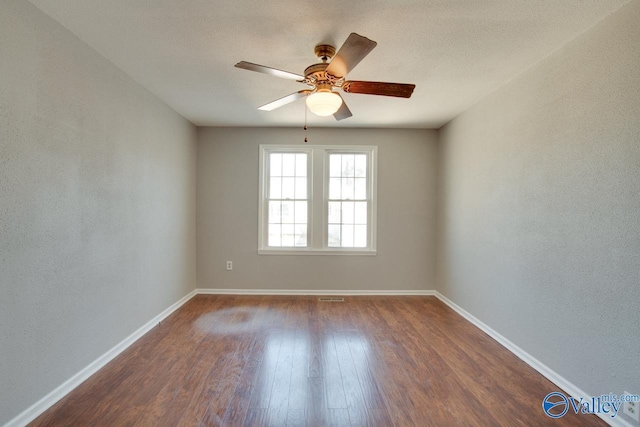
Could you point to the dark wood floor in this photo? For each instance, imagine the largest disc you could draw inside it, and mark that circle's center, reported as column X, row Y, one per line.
column 276, row 361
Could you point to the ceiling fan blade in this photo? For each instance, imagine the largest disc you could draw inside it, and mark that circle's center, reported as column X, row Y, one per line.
column 354, row 49
column 343, row 112
column 268, row 70
column 284, row 100
column 400, row 90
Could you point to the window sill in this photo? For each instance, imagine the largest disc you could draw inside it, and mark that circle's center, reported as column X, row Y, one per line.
column 359, row 252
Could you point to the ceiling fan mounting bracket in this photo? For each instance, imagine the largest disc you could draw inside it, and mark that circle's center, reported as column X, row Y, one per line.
column 324, row 52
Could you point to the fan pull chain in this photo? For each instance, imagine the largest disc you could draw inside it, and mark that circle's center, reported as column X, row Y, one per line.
column 305, row 123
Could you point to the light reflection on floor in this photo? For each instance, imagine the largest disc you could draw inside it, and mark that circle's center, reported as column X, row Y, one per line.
column 239, row 320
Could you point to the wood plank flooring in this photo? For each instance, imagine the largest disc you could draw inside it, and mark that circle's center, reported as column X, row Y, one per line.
column 295, row 361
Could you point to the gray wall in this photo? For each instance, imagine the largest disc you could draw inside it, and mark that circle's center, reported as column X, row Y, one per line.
column 539, row 201
column 228, row 213
column 539, row 208
column 97, row 206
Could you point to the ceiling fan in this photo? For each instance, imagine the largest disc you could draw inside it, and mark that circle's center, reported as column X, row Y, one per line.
column 325, row 76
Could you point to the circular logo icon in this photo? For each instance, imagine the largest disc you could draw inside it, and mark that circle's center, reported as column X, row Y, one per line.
column 555, row 404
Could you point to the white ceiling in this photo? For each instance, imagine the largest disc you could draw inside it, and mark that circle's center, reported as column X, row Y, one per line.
column 455, row 51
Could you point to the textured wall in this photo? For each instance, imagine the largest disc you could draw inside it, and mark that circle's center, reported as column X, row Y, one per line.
column 97, row 206
column 539, row 208
column 228, row 213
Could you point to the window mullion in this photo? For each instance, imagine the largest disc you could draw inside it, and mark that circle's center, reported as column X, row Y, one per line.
column 317, row 201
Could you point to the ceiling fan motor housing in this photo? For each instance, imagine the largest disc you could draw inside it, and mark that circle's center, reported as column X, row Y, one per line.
column 315, row 75
column 316, row 70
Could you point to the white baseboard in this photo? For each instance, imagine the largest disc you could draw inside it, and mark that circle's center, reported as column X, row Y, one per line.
column 206, row 291
column 32, row 412
column 568, row 387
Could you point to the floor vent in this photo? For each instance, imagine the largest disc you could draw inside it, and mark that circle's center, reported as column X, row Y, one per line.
column 331, row 299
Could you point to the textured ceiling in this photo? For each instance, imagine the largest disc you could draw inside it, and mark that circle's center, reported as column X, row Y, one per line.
column 455, row 51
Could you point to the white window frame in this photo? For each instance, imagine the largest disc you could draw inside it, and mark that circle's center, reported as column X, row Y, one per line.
column 318, row 199
column 263, row 205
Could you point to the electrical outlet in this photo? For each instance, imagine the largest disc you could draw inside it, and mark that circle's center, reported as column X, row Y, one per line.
column 229, row 265
column 631, row 409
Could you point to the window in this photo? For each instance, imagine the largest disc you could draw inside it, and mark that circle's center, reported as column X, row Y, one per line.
column 287, row 189
column 317, row 200
column 348, row 200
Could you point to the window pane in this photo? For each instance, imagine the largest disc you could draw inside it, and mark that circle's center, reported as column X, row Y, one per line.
column 360, row 185
column 274, row 235
column 301, row 188
column 347, row 189
column 347, row 236
column 335, row 165
column 348, row 165
column 287, row 213
column 274, row 213
column 334, row 188
column 361, row 165
column 288, row 188
column 360, row 213
column 301, row 235
column 300, row 215
column 275, row 166
column 301, row 164
column 334, row 236
column 288, row 164
column 288, row 235
column 334, row 212
column 275, row 188
column 360, row 236
column 347, row 212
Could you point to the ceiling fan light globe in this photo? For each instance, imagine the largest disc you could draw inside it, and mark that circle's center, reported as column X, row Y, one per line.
column 324, row 102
